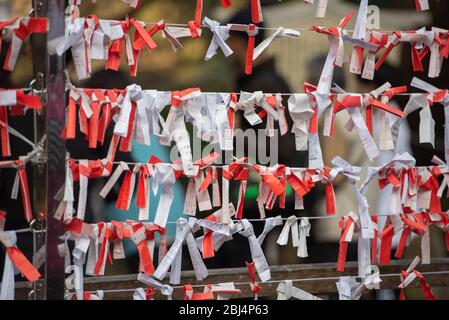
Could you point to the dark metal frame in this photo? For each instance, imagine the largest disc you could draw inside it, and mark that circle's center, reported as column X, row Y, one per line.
column 49, row 176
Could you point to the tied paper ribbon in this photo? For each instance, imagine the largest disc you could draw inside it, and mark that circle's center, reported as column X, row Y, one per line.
column 426, row 123
column 301, row 112
column 411, row 274
column 359, row 34
column 27, row 26
column 14, row 258
column 173, row 257
column 371, row 102
column 195, row 25
column 217, row 231
column 271, row 186
column 299, row 234
column 211, row 226
column 353, row 175
column 220, row 35
column 252, row 30
column 145, row 247
column 164, row 289
column 421, row 40
column 197, row 189
column 347, row 224
column 270, row 224
column 334, row 58
column 258, row 257
column 413, row 223
column 286, row 290
column 279, row 34
column 164, row 177
column 353, row 104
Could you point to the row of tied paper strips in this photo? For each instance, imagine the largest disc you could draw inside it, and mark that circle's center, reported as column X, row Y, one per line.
column 135, row 115
column 92, row 38
column 321, row 5
column 93, row 241
column 415, row 206
column 348, row 287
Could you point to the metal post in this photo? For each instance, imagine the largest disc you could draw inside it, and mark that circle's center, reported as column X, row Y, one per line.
column 49, row 177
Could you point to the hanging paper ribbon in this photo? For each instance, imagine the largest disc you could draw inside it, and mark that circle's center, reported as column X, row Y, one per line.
column 174, row 255
column 280, row 33
column 347, row 224
column 220, row 35
column 270, row 224
column 411, row 274
column 27, row 26
column 255, row 288
column 252, row 30
column 14, row 257
column 334, row 58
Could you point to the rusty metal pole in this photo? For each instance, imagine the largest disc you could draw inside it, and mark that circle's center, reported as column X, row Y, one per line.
column 49, row 177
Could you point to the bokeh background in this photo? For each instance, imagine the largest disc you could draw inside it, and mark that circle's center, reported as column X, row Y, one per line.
column 295, row 61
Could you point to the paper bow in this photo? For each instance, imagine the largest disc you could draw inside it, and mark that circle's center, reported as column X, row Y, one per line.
column 421, row 40
column 270, row 224
column 217, row 231
column 174, row 255
column 299, row 234
column 220, row 35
